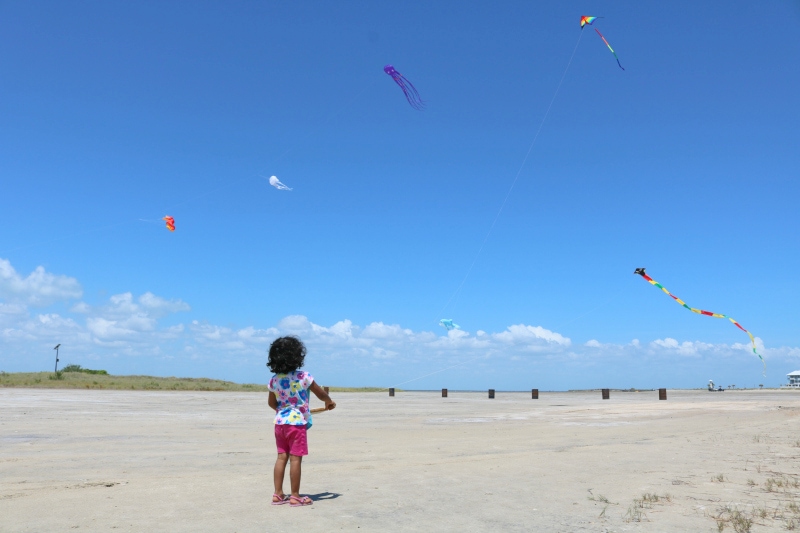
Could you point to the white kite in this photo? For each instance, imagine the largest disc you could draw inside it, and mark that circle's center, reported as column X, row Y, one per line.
column 275, row 182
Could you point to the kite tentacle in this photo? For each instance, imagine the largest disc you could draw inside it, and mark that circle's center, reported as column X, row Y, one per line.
column 653, row 282
column 410, row 92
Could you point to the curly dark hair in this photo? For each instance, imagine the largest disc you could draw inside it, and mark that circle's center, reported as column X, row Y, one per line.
column 286, row 354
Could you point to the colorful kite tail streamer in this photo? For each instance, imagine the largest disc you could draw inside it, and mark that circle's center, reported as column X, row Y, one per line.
column 653, row 282
column 609, row 47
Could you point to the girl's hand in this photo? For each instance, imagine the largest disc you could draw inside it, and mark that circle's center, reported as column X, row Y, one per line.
column 330, row 404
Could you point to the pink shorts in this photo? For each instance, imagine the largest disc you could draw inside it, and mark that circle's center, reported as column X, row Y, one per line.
column 291, row 439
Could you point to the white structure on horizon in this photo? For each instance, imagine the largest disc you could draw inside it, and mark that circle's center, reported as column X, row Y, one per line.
column 794, row 379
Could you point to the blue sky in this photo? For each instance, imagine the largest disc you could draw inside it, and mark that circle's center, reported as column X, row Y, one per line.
column 116, row 114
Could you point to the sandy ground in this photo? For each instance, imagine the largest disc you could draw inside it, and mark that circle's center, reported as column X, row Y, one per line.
column 202, row 461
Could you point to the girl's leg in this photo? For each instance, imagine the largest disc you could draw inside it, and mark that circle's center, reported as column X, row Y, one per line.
column 294, row 473
column 280, row 470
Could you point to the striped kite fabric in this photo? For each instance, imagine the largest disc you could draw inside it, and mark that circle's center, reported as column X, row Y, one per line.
column 653, row 282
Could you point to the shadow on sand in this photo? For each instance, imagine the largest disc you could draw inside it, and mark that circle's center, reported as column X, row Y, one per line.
column 323, row 496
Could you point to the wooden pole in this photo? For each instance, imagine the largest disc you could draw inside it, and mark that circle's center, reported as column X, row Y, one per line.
column 534, row 394
column 444, row 393
column 606, row 394
column 662, row 394
column 391, row 391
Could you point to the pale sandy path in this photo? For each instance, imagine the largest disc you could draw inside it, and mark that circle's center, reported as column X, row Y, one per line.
column 202, row 461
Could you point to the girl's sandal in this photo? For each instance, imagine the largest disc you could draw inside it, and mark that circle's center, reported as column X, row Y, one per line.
column 282, row 499
column 302, row 501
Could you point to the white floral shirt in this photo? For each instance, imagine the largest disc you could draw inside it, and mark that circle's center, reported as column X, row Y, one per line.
column 291, row 391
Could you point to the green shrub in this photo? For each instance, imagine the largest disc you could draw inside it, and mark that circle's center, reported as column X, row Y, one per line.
column 77, row 368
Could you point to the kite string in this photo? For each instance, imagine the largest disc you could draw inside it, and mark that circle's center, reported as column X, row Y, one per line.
column 516, row 178
column 432, row 373
column 499, row 212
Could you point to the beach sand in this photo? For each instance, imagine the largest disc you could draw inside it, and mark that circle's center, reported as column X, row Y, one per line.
column 99, row 460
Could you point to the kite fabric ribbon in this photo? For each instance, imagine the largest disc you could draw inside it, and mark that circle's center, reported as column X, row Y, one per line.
column 609, row 47
column 590, row 20
column 408, row 88
column 653, row 282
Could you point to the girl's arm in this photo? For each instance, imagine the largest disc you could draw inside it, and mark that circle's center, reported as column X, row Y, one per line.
column 320, row 393
column 273, row 401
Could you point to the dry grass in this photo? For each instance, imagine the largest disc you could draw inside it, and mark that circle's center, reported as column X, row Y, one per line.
column 84, row 380
column 635, row 512
column 81, row 380
column 731, row 516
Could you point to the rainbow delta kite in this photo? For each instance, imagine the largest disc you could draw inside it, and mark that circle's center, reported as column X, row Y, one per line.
column 589, row 20
column 650, row 280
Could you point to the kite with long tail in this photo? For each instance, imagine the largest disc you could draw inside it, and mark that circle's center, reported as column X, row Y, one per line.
column 653, row 282
column 408, row 88
column 589, row 20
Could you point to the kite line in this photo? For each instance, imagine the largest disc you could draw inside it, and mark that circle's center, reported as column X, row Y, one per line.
column 448, row 323
column 653, row 282
column 516, row 178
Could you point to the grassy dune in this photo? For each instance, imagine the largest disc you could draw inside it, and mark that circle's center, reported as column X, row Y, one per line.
column 83, row 380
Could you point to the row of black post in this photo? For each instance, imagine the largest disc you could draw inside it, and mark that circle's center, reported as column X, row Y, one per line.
column 606, row 393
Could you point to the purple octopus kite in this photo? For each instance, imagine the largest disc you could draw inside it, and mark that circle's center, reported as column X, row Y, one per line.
column 408, row 88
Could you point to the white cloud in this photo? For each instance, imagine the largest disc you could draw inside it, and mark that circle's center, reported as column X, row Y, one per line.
column 12, row 309
column 521, row 333
column 132, row 325
column 39, row 289
column 156, row 305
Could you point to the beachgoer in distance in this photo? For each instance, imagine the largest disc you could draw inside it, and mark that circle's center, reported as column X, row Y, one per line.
column 288, row 396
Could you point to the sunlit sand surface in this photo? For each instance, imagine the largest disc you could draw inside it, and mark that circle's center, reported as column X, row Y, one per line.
column 202, row 461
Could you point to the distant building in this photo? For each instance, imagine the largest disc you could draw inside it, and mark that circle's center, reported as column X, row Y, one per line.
column 794, row 379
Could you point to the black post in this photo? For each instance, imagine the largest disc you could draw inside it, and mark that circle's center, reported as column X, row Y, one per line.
column 391, row 391
column 534, row 394
column 56, row 349
column 491, row 393
column 662, row 394
column 444, row 393
column 606, row 395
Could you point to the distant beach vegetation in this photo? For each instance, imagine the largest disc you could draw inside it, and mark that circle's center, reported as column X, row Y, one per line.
column 75, row 377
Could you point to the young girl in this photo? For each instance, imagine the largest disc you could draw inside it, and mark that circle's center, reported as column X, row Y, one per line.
column 288, row 396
